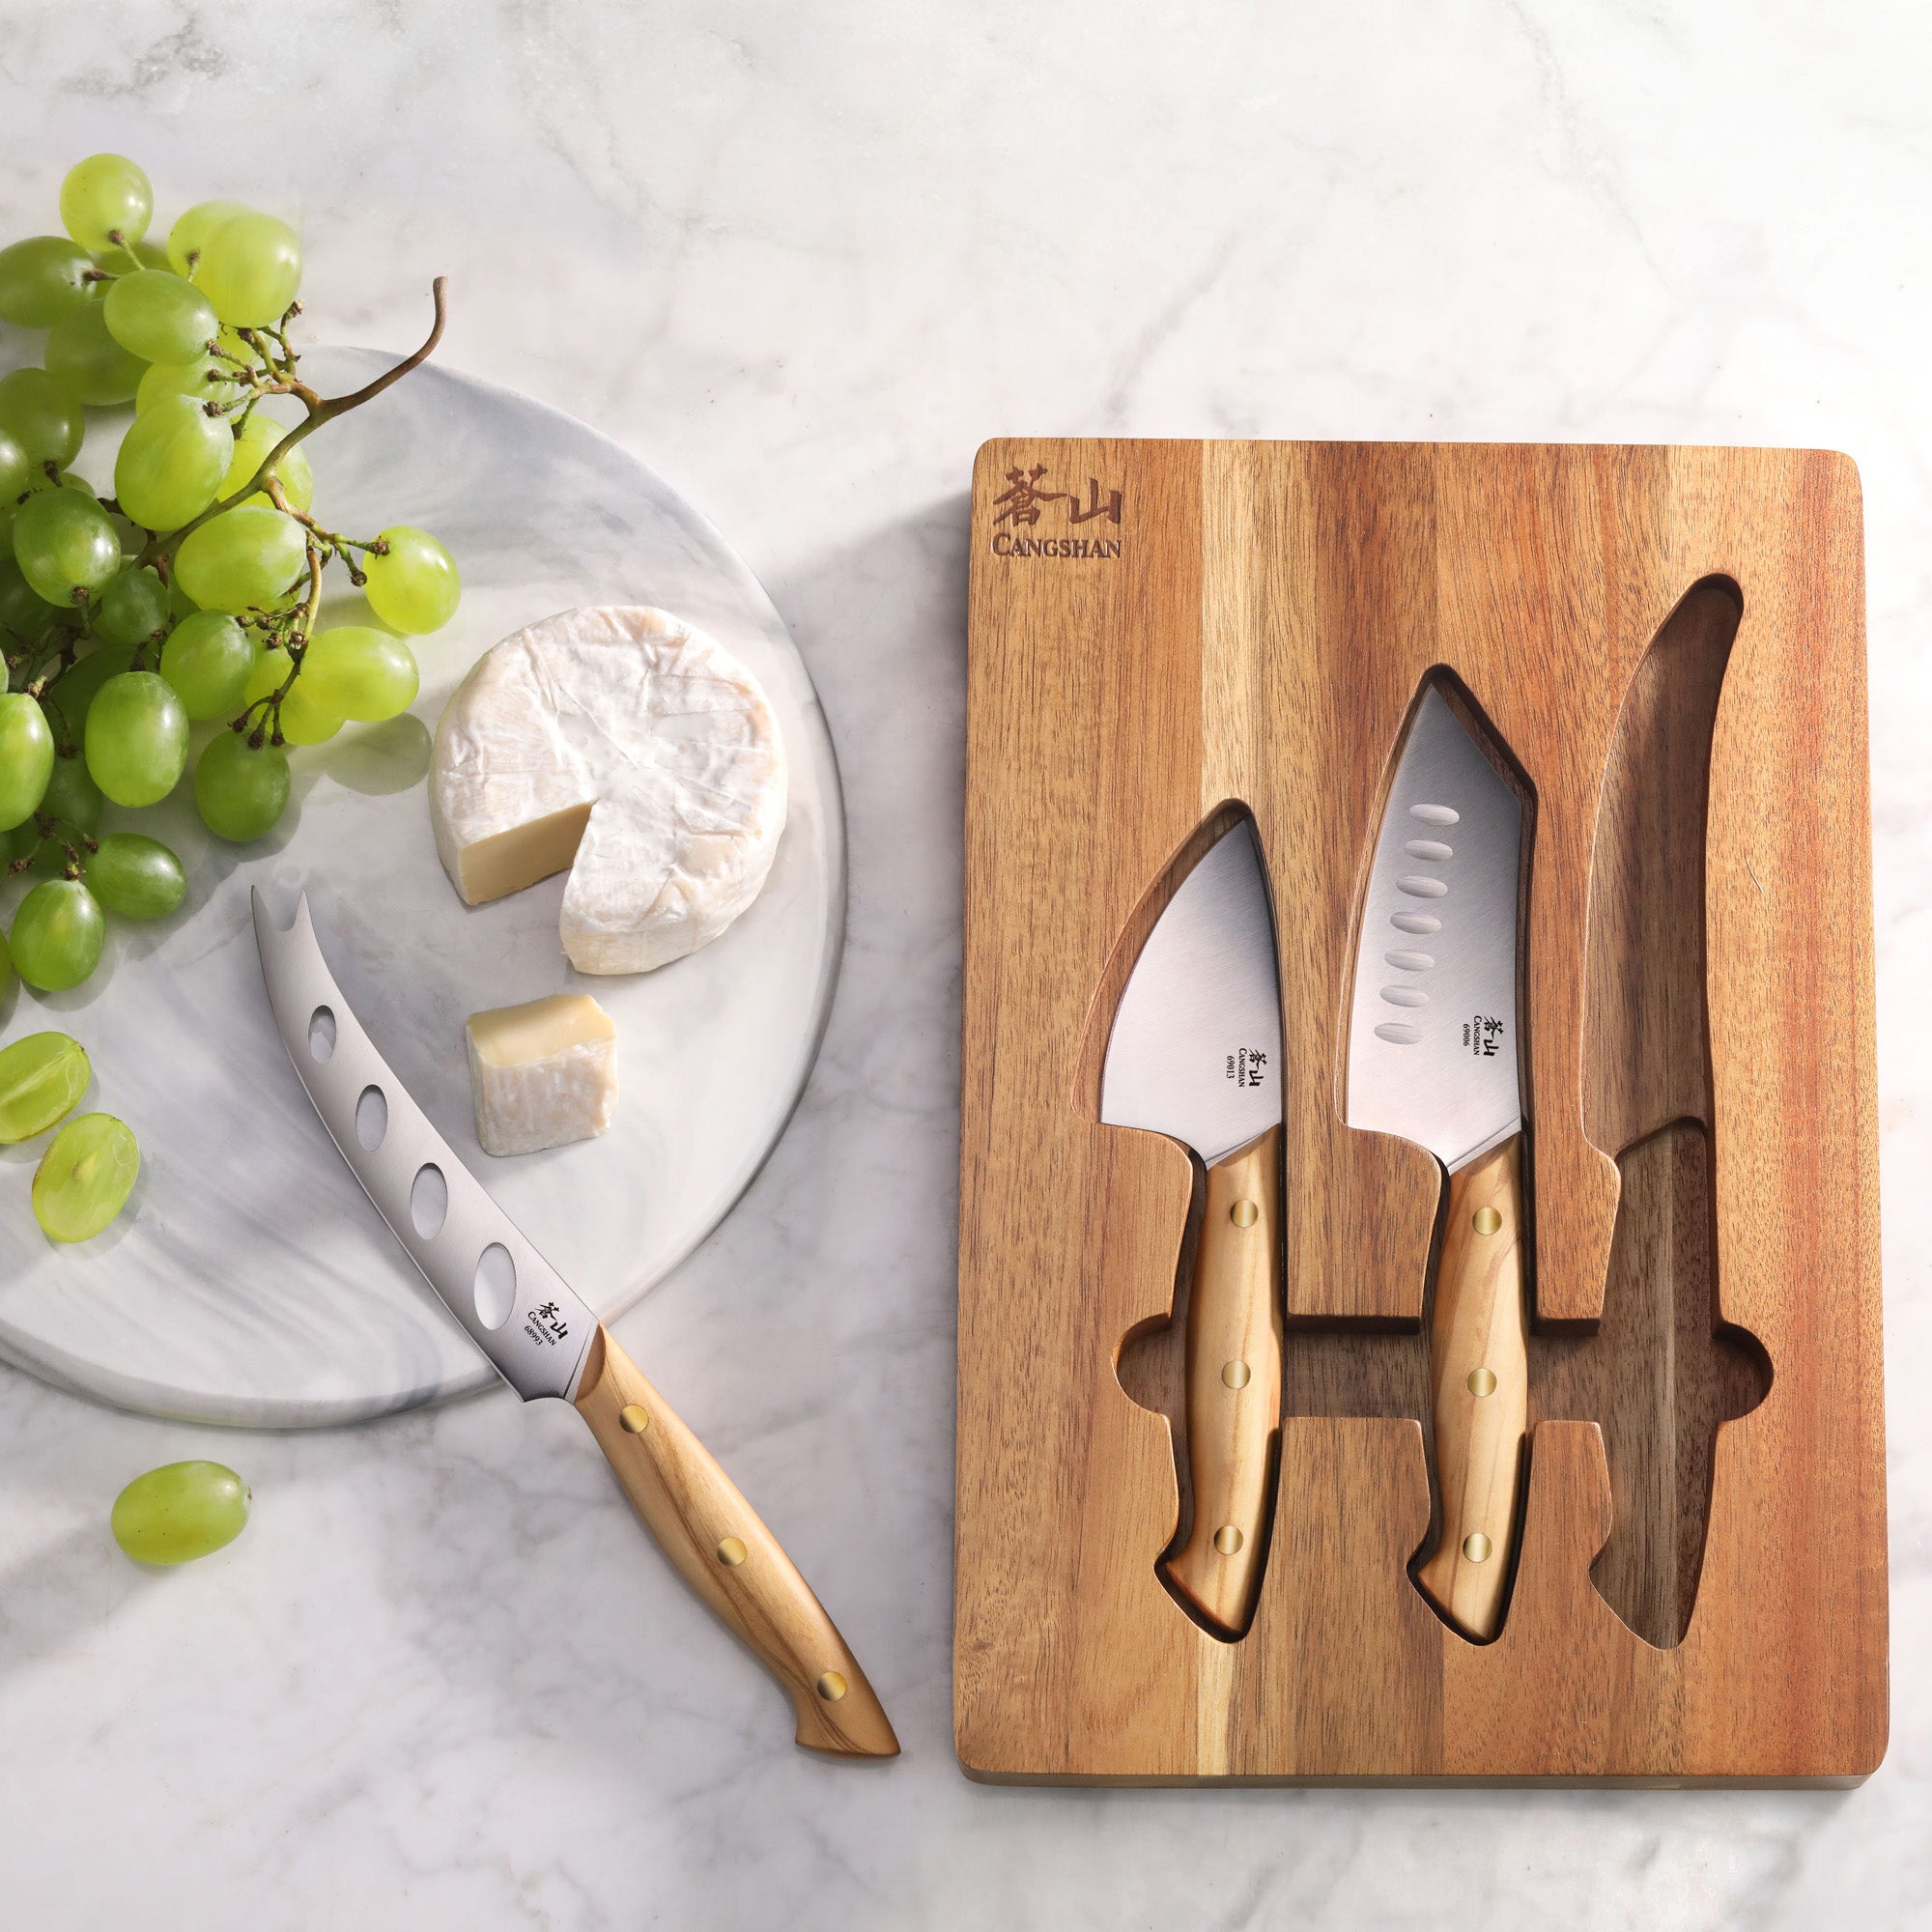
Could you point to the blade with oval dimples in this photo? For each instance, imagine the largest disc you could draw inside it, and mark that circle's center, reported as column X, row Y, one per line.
column 1433, row 1025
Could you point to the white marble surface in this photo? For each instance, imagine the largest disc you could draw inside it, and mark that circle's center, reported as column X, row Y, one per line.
column 247, row 1280
column 803, row 261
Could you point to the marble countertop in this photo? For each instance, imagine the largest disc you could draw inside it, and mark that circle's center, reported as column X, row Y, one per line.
column 804, row 262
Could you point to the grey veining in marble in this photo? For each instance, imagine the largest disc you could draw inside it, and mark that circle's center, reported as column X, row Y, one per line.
column 248, row 1280
column 803, row 261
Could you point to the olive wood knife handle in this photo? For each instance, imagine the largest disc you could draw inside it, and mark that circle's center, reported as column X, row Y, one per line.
column 1234, row 1386
column 1479, row 1369
column 722, row 1549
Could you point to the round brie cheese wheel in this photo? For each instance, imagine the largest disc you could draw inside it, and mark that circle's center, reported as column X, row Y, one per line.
column 620, row 741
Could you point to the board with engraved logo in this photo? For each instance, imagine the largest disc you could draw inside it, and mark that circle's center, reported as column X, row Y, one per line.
column 1660, row 653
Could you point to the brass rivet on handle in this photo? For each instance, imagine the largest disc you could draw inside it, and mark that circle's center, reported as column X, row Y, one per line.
column 1476, row 1547
column 1482, row 1382
column 1485, row 1220
column 831, row 1687
column 636, row 1420
column 730, row 1553
column 1237, row 1374
column 1228, row 1539
column 1244, row 1214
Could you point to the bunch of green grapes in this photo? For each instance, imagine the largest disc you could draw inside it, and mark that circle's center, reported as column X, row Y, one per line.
column 190, row 597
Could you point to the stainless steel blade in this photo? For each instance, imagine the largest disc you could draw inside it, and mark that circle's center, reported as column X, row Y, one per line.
column 517, row 1309
column 1196, row 1046
column 1434, row 1024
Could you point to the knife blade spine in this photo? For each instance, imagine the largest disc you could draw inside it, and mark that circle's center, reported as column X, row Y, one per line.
column 542, row 1334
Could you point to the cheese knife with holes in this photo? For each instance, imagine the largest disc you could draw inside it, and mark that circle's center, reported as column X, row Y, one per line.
column 1433, row 1053
column 1195, row 1054
column 545, row 1341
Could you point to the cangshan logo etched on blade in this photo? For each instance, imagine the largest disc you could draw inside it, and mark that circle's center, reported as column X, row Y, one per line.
column 546, row 1326
column 1022, row 504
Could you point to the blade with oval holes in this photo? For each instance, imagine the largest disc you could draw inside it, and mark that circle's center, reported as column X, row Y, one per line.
column 516, row 1307
column 545, row 1341
column 1433, row 1057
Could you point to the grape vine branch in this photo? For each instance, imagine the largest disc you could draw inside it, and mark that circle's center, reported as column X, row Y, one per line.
column 321, row 410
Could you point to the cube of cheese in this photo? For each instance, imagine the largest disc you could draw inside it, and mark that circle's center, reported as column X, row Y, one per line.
column 542, row 1074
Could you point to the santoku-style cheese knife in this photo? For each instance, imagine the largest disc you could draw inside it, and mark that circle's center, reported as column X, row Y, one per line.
column 1433, row 1046
column 545, row 1341
column 1195, row 1052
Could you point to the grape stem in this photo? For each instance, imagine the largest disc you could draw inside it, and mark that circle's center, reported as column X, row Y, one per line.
column 321, row 410
column 49, row 826
column 294, row 641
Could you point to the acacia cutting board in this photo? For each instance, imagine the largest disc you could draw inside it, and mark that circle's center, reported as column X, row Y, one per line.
column 1159, row 630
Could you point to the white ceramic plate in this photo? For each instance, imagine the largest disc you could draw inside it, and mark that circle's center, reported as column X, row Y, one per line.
column 249, row 1280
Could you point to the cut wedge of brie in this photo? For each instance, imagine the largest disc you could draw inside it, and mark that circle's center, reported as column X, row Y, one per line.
column 543, row 1073
column 622, row 743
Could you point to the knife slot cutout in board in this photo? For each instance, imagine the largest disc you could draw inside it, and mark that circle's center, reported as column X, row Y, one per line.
column 1193, row 1052
column 1662, row 1371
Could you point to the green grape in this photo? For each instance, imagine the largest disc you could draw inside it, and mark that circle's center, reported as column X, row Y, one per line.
column 26, row 757
column 72, row 803
column 414, row 587
column 23, row 611
column 136, row 738
column 40, row 416
column 251, row 268
column 105, row 201
column 175, row 1514
column 73, row 693
column 192, row 229
column 241, row 789
column 85, row 1176
column 41, row 1078
column 72, row 796
column 133, row 607
column 258, row 436
column 65, row 545
column 42, row 279
column 304, row 719
column 87, row 361
column 207, row 659
column 187, row 379
column 171, row 464
column 16, row 467
column 159, row 317
column 58, row 930
column 361, row 673
column 240, row 560
column 136, row 876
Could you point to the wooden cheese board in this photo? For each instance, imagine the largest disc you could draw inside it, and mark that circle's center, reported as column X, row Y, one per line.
column 1166, row 636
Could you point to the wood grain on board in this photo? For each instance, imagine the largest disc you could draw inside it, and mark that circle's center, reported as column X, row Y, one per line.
column 1243, row 626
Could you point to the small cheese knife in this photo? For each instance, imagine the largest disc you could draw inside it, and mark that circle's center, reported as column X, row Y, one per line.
column 1195, row 1052
column 1432, row 1047
column 545, row 1341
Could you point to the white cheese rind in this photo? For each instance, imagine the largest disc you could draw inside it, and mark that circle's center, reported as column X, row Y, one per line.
column 551, row 1086
column 669, row 740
